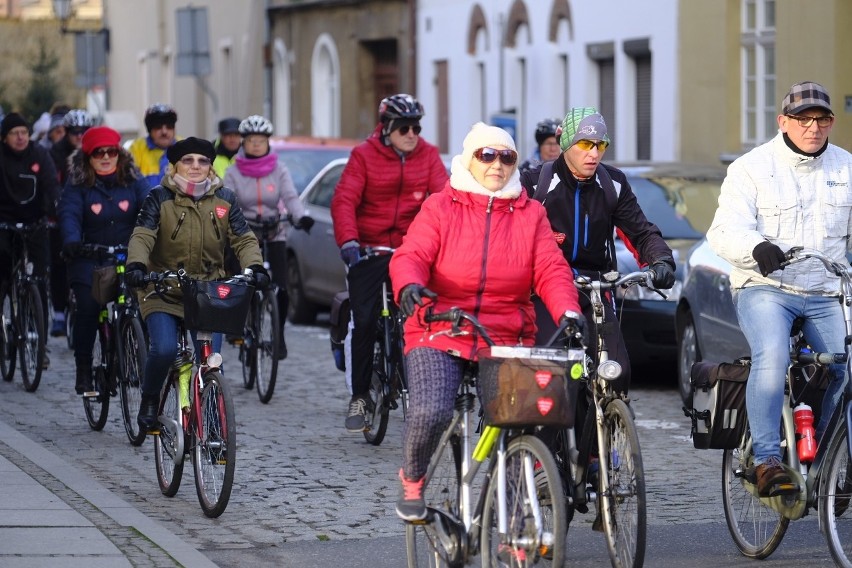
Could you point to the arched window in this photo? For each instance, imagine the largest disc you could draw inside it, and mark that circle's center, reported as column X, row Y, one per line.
column 281, row 108
column 325, row 88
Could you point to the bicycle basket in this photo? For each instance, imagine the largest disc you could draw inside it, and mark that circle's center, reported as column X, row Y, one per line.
column 528, row 386
column 216, row 306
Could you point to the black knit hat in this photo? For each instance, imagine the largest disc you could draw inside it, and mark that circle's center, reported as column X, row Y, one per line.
column 191, row 145
column 229, row 126
column 10, row 121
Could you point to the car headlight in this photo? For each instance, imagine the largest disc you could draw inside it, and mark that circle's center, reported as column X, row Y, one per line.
column 642, row 293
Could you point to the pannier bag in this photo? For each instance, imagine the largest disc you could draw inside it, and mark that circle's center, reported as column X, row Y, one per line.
column 104, row 284
column 217, row 306
column 528, row 386
column 718, row 410
column 338, row 328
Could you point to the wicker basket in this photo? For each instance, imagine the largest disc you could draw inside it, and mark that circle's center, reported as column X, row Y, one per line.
column 217, row 306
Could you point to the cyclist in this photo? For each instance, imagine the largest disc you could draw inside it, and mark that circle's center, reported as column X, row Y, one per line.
column 792, row 190
column 380, row 191
column 185, row 222
column 481, row 244
column 265, row 192
column 226, row 145
column 99, row 205
column 149, row 152
column 547, row 146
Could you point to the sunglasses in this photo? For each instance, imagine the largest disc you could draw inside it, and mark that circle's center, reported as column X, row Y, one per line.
column 76, row 131
column 99, row 153
column 488, row 155
column 587, row 145
column 187, row 161
column 404, row 129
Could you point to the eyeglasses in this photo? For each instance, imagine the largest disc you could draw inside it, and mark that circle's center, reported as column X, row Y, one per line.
column 99, row 153
column 76, row 131
column 587, row 145
column 806, row 121
column 487, row 155
column 187, row 161
column 416, row 128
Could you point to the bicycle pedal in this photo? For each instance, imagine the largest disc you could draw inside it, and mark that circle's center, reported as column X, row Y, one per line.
column 153, row 432
column 91, row 394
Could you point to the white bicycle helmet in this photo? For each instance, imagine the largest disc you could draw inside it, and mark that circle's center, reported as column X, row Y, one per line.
column 78, row 118
column 256, row 124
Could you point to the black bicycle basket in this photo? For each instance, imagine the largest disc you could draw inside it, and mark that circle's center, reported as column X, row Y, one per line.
column 217, row 306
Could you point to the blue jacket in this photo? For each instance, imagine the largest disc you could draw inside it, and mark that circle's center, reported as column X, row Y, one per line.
column 102, row 213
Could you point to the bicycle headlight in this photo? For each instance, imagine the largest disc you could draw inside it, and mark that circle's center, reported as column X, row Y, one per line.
column 609, row 370
column 214, row 360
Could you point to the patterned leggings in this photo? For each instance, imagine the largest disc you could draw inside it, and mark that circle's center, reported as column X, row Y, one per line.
column 433, row 382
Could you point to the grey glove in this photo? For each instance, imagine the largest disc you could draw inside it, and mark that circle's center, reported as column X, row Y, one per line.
column 769, row 257
column 664, row 276
column 350, row 252
column 414, row 294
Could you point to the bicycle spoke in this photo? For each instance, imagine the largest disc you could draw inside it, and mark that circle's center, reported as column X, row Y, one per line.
column 214, row 453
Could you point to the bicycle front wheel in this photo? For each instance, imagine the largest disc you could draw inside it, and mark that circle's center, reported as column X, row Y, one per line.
column 215, row 446
column 622, row 504
column 377, row 420
column 132, row 353
column 834, row 495
column 169, row 442
column 32, row 337
column 97, row 405
column 8, row 337
column 268, row 339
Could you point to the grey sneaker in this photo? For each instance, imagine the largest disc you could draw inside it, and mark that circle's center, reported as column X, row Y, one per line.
column 356, row 421
column 411, row 506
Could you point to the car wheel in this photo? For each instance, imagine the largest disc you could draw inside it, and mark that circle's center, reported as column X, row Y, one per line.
column 301, row 310
column 688, row 353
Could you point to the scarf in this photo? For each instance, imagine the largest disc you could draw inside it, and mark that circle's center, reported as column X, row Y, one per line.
column 195, row 191
column 256, row 167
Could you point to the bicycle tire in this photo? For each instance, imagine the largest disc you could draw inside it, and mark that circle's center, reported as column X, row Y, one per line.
column 97, row 406
column 269, row 338
column 377, row 420
column 32, row 338
column 132, row 355
column 169, row 443
column 835, row 493
column 532, row 481
column 215, row 446
column 623, row 504
column 248, row 348
column 756, row 528
column 70, row 319
column 8, row 337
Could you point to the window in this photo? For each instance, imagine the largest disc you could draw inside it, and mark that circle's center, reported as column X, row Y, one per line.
column 759, row 106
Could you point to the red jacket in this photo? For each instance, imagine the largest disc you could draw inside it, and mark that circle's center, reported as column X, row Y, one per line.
column 380, row 192
column 485, row 263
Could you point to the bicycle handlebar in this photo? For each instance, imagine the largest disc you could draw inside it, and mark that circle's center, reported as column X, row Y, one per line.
column 27, row 227
column 97, row 250
column 799, row 253
column 370, row 252
column 820, row 358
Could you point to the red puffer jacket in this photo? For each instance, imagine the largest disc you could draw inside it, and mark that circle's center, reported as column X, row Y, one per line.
column 380, row 192
column 486, row 263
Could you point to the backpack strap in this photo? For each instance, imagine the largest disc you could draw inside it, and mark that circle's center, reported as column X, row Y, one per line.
column 544, row 177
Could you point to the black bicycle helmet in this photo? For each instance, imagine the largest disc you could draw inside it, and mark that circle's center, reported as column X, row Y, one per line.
column 78, row 118
column 545, row 129
column 400, row 106
column 159, row 114
column 256, row 124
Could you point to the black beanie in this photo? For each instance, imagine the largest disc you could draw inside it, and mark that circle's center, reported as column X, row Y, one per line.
column 10, row 121
column 191, row 145
column 229, row 126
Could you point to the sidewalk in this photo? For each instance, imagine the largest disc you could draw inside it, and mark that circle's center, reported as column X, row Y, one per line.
column 52, row 515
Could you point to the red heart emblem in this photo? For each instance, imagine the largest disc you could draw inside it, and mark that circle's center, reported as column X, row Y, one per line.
column 96, row 208
column 221, row 211
column 544, row 405
column 223, row 291
column 543, row 378
column 560, row 238
column 35, row 167
column 124, row 205
column 270, row 187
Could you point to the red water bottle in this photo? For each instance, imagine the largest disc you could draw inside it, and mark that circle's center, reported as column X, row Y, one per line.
column 803, row 416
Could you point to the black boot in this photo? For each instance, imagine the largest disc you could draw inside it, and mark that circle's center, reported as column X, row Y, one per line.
column 84, row 377
column 147, row 418
column 282, row 346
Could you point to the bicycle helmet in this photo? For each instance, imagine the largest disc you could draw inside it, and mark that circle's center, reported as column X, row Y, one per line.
column 545, row 129
column 159, row 114
column 400, row 106
column 78, row 118
column 256, row 124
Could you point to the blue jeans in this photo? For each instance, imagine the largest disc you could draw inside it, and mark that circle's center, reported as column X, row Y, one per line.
column 766, row 314
column 163, row 350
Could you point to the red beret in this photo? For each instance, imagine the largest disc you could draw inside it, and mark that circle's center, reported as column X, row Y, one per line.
column 100, row 137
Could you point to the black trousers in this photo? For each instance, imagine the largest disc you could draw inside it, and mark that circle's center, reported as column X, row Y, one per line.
column 365, row 282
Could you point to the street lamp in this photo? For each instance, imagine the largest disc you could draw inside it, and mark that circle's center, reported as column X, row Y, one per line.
column 62, row 9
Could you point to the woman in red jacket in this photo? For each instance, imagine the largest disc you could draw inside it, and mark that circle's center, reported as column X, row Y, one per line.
column 483, row 245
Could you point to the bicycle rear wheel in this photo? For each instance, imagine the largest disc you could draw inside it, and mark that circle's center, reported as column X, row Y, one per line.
column 32, row 337
column 756, row 528
column 215, row 446
column 8, row 337
column 268, row 339
column 70, row 319
column 132, row 353
column 377, row 420
column 835, row 493
column 97, row 405
column 169, row 443
column 535, row 509
column 623, row 504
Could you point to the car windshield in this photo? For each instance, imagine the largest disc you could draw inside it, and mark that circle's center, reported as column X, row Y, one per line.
column 304, row 163
column 681, row 211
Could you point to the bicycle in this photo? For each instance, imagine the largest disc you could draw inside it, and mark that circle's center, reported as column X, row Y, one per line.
column 519, row 518
column 605, row 468
column 23, row 317
column 196, row 412
column 758, row 524
column 118, row 354
column 388, row 383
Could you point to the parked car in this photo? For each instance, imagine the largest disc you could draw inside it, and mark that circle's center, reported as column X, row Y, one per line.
column 305, row 156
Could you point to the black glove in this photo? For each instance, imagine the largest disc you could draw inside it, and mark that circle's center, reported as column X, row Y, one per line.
column 576, row 325
column 134, row 274
column 413, row 294
column 350, row 252
column 664, row 276
column 769, row 257
column 260, row 275
column 71, row 250
column 305, row 223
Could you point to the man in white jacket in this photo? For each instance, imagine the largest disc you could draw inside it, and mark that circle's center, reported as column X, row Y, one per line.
column 791, row 191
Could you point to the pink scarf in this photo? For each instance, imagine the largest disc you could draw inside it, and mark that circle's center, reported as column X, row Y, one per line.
column 257, row 167
column 195, row 191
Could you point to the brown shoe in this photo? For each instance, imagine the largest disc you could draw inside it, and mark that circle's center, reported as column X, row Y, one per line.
column 773, row 479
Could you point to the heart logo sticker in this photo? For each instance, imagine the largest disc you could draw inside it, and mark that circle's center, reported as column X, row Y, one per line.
column 221, row 211
column 124, row 205
column 543, row 378
column 96, row 208
column 223, row 291
column 544, row 404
